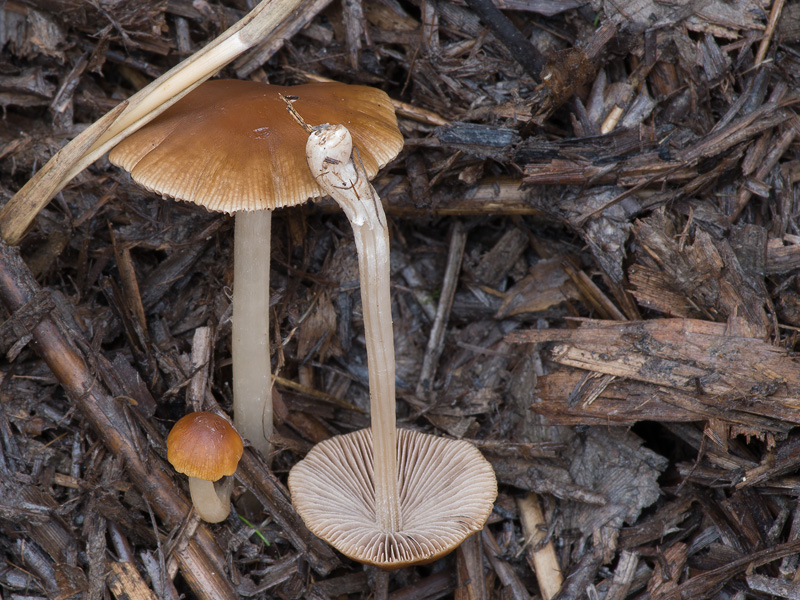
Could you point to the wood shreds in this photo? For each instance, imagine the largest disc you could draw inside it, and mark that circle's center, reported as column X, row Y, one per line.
column 725, row 374
column 595, row 253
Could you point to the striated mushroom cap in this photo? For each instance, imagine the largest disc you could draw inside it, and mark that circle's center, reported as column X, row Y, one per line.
column 204, row 445
column 447, row 490
column 230, row 145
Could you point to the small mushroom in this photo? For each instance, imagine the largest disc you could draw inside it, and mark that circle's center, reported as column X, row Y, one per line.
column 382, row 497
column 230, row 146
column 206, row 448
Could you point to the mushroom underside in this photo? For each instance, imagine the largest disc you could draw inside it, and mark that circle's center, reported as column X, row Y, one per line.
column 447, row 490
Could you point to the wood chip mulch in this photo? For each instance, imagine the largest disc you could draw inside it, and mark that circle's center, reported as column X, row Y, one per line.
column 595, row 252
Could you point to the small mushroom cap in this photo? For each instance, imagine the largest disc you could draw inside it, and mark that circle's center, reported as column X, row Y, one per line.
column 447, row 490
column 204, row 445
column 231, row 145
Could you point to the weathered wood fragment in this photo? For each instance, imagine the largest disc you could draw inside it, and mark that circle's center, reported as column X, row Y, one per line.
column 698, row 358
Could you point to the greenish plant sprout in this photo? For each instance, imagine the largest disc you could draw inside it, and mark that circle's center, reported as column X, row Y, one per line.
column 255, row 529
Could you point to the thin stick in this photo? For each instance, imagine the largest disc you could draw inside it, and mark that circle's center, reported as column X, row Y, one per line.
column 518, row 46
column 294, row 114
column 514, row 587
column 381, row 591
column 458, row 239
column 543, row 560
column 774, row 17
column 201, row 356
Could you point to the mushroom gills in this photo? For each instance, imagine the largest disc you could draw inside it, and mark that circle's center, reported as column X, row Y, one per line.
column 446, row 490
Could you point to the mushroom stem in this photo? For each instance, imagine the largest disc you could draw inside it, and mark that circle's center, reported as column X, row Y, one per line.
column 212, row 504
column 252, row 385
column 328, row 152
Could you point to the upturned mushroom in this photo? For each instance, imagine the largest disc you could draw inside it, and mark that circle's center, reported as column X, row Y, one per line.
column 378, row 497
column 230, row 146
column 204, row 446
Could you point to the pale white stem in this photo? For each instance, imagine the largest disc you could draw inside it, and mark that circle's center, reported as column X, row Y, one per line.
column 328, row 153
column 252, row 393
column 211, row 503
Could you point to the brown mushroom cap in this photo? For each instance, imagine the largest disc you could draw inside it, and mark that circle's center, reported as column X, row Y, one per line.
column 231, row 145
column 447, row 490
column 204, row 445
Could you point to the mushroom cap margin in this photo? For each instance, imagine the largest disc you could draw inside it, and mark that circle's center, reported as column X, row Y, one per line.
column 231, row 145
